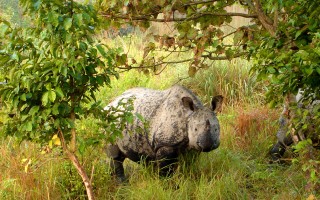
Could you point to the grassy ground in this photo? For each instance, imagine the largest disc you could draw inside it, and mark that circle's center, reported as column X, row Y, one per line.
column 238, row 169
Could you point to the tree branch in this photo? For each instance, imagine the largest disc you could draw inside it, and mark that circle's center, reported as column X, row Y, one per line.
column 266, row 22
column 199, row 2
column 145, row 18
column 210, row 57
column 155, row 65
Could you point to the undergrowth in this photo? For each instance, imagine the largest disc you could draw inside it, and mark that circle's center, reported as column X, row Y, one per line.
column 238, row 169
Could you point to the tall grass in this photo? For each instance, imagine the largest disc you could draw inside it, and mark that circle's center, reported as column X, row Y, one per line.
column 238, row 169
column 229, row 78
column 18, row 180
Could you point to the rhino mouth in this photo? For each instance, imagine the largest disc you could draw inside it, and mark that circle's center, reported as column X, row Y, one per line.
column 208, row 147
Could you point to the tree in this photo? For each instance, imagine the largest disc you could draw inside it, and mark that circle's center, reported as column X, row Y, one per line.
column 282, row 39
column 282, row 36
column 53, row 69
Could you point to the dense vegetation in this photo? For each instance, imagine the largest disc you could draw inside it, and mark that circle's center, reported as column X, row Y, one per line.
column 60, row 72
column 239, row 169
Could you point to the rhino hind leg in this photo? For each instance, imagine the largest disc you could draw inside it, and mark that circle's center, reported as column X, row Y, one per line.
column 277, row 151
column 116, row 162
column 166, row 158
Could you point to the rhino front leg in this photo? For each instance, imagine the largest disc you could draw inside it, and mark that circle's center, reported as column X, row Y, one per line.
column 116, row 162
column 166, row 158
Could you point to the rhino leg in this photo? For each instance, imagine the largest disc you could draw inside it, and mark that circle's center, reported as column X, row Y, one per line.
column 278, row 150
column 166, row 158
column 116, row 162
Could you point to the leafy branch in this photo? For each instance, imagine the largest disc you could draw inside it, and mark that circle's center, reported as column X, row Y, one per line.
column 180, row 19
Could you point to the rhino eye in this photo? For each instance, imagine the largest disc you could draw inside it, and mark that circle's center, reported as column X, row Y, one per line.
column 195, row 129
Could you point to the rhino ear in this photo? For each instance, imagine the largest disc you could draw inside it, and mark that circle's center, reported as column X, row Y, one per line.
column 216, row 103
column 187, row 102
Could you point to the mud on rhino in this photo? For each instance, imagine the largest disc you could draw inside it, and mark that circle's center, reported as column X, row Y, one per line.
column 177, row 122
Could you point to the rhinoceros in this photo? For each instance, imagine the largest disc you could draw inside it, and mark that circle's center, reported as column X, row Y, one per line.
column 285, row 136
column 175, row 121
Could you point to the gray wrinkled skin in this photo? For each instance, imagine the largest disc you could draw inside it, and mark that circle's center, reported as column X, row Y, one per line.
column 284, row 138
column 176, row 121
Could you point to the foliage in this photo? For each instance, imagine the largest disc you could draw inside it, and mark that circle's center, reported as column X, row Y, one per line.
column 294, row 61
column 53, row 70
column 282, row 39
column 50, row 70
column 238, row 169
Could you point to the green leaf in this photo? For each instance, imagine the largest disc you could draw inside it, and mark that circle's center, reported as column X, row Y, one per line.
column 309, row 70
column 238, row 37
column 53, row 18
column 45, row 98
column 78, row 19
column 67, row 23
column 215, row 43
column 271, row 70
column 55, row 109
column 192, row 33
column 23, row 97
column 101, row 50
column 318, row 70
column 129, row 118
column 140, row 117
column 52, row 95
column 36, row 4
column 15, row 56
column 34, row 110
column 28, row 126
column 83, row 46
column 86, row 17
column 229, row 54
column 59, row 92
column 302, row 54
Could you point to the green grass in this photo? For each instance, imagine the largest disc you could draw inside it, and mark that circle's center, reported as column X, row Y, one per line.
column 238, row 169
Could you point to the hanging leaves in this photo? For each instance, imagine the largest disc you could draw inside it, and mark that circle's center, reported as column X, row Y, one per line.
column 52, row 66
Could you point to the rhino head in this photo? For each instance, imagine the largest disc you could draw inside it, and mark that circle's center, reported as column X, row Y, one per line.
column 202, row 124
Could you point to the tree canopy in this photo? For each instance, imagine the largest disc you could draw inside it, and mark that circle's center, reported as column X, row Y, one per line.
column 54, row 66
column 282, row 36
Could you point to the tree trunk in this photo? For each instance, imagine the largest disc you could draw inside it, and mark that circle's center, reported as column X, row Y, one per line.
column 72, row 144
column 85, row 179
column 75, row 161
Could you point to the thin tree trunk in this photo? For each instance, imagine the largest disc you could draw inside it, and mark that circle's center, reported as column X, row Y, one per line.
column 85, row 179
column 75, row 161
column 73, row 147
column 266, row 22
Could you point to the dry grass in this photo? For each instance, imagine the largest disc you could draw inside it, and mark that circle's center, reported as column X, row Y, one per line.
column 238, row 169
column 254, row 124
column 20, row 180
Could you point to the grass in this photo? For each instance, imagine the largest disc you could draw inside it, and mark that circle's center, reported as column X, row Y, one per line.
column 238, row 169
